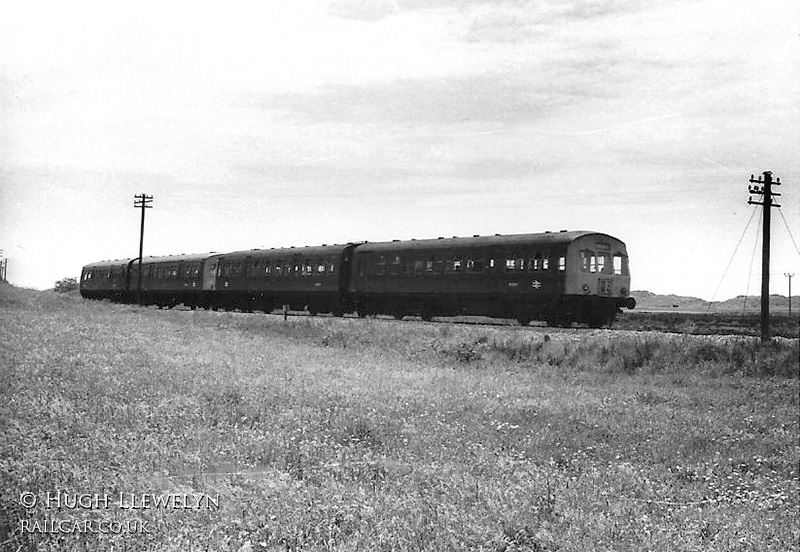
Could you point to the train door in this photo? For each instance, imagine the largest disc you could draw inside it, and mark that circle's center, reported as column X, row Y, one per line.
column 345, row 261
column 495, row 282
column 132, row 278
column 210, row 274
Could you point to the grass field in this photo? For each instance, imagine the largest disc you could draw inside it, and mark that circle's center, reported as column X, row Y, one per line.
column 781, row 324
column 348, row 434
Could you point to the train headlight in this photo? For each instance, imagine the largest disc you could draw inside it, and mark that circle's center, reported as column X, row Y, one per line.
column 585, row 288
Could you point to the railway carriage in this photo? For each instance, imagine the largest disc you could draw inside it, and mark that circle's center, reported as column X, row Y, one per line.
column 105, row 280
column 315, row 278
column 169, row 281
column 558, row 277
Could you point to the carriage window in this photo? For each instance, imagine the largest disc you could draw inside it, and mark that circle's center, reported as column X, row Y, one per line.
column 380, row 265
column 491, row 264
column 429, row 265
column 540, row 261
column 320, row 267
column 620, row 264
column 395, row 266
column 509, row 264
column 308, row 269
column 517, row 263
column 331, row 267
column 562, row 263
column 469, row 264
column 455, row 265
column 266, row 268
column 417, row 267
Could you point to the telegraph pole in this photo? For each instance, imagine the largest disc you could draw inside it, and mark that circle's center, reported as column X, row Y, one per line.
column 4, row 264
column 141, row 201
column 789, row 275
column 763, row 188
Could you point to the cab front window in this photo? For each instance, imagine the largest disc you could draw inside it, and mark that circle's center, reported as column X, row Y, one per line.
column 587, row 260
column 620, row 264
column 603, row 262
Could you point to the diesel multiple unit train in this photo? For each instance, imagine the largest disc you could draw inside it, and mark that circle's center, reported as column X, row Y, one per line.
column 557, row 277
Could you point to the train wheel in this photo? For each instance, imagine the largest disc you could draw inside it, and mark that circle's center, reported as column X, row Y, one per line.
column 599, row 320
column 560, row 320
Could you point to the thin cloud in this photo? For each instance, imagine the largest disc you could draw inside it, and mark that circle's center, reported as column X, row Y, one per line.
column 542, row 130
column 319, row 160
column 721, row 166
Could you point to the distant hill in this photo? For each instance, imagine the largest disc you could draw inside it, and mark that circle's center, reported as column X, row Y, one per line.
column 646, row 300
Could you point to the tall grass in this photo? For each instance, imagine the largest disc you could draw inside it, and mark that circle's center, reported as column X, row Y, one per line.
column 346, row 434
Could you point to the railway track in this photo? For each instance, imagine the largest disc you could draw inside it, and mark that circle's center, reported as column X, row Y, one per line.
column 626, row 328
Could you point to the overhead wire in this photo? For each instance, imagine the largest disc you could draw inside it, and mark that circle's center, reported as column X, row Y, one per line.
column 752, row 258
column 755, row 210
column 789, row 231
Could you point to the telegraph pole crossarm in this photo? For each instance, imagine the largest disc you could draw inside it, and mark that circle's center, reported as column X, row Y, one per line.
column 763, row 187
column 141, row 201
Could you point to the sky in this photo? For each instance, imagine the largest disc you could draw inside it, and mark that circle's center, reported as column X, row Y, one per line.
column 273, row 123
